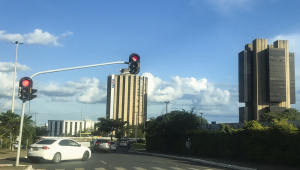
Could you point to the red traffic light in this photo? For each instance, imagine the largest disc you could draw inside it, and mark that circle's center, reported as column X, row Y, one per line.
column 25, row 83
column 135, row 58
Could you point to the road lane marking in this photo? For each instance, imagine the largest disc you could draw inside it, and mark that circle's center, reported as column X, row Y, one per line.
column 103, row 162
column 193, row 168
column 139, row 168
column 119, row 168
column 157, row 161
column 58, row 169
column 158, row 168
column 99, row 168
column 79, row 169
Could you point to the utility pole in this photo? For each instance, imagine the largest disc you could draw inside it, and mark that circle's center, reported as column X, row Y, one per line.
column 80, row 122
column 35, row 119
column 167, row 106
column 201, row 118
column 14, row 82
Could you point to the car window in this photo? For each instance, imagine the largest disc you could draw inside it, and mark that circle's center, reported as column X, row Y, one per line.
column 64, row 143
column 101, row 141
column 73, row 143
column 46, row 141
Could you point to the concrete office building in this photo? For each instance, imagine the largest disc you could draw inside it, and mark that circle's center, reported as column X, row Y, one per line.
column 127, row 98
column 266, row 79
column 60, row 127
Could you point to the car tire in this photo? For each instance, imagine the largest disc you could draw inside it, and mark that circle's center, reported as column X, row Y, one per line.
column 85, row 156
column 36, row 160
column 56, row 158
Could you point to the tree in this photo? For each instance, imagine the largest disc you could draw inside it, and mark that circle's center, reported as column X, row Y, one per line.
column 289, row 114
column 110, row 125
column 174, row 123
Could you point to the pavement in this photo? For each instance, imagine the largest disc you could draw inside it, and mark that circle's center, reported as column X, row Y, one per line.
column 226, row 163
column 12, row 155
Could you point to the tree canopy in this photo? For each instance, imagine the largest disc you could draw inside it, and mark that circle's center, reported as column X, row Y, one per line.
column 289, row 114
column 174, row 123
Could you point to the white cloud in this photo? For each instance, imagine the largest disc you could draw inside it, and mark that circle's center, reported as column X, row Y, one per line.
column 54, row 90
column 36, row 37
column 92, row 95
column 6, row 81
column 10, row 67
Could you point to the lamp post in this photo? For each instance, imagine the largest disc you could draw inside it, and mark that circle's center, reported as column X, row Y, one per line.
column 167, row 106
column 201, row 118
column 13, row 95
column 35, row 118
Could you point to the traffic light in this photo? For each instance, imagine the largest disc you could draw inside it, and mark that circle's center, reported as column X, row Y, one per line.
column 134, row 63
column 25, row 89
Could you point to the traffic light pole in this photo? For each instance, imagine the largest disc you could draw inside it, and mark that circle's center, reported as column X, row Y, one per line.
column 51, row 71
column 73, row 68
column 20, row 134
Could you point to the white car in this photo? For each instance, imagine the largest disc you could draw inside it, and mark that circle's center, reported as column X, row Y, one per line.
column 57, row 149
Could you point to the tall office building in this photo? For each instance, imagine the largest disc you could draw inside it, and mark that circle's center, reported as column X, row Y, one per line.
column 266, row 79
column 127, row 98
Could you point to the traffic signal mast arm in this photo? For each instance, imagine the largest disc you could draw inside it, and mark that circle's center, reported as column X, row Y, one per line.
column 73, row 68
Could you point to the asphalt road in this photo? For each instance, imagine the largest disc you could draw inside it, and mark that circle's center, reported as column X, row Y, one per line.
column 121, row 160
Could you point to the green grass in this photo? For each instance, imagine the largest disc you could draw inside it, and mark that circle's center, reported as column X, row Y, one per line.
column 138, row 146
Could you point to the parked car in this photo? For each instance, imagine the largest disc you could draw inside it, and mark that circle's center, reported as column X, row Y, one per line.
column 100, row 145
column 113, row 146
column 16, row 146
column 57, row 149
column 123, row 143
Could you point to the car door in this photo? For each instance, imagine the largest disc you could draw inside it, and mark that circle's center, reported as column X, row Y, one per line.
column 64, row 149
column 76, row 150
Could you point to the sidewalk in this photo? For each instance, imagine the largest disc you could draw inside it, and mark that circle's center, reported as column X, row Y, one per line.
column 233, row 164
column 12, row 155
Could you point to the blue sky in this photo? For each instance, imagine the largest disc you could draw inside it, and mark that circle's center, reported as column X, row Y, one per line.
column 189, row 51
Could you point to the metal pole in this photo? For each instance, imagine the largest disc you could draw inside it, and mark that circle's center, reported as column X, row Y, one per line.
column 201, row 118
column 20, row 134
column 29, row 109
column 167, row 106
column 136, row 127
column 73, row 68
column 14, row 82
column 80, row 122
column 35, row 119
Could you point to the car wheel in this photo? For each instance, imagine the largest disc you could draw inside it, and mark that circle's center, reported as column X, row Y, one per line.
column 36, row 160
column 56, row 158
column 85, row 156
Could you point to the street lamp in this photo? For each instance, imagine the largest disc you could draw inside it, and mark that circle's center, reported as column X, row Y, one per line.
column 13, row 95
column 35, row 118
column 167, row 106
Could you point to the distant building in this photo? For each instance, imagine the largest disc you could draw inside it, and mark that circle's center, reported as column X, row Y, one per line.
column 266, row 79
column 127, row 98
column 69, row 127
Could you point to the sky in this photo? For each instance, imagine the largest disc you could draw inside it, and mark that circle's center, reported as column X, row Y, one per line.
column 188, row 48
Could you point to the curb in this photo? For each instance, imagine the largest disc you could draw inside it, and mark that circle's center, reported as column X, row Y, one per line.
column 199, row 160
column 29, row 167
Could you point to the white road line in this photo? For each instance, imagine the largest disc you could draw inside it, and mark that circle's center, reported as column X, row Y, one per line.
column 139, row 168
column 193, row 169
column 99, row 168
column 79, row 169
column 158, row 168
column 119, row 168
column 157, row 161
column 103, row 162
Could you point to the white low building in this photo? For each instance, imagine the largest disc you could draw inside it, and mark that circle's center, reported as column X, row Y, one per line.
column 69, row 127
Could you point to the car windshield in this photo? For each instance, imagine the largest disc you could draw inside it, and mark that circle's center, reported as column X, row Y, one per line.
column 101, row 141
column 46, row 141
